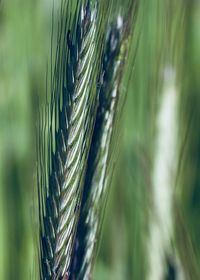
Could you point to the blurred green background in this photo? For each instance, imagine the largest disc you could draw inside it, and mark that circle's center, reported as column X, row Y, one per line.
column 166, row 45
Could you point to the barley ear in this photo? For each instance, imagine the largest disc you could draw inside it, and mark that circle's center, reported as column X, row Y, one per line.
column 65, row 134
column 101, row 161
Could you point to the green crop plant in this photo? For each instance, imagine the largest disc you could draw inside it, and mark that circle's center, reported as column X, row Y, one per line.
column 99, row 139
column 76, row 131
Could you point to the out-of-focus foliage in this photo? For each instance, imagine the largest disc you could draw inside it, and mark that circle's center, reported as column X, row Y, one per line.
column 167, row 34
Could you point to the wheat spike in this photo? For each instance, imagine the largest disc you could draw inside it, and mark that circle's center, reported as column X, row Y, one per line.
column 65, row 135
column 100, row 163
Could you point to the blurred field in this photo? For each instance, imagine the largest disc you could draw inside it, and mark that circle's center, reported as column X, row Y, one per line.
column 166, row 43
